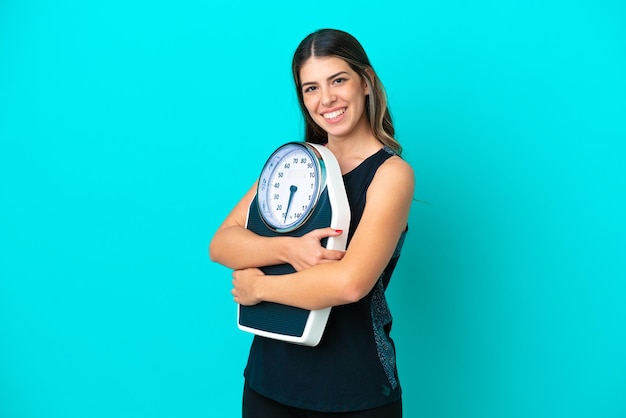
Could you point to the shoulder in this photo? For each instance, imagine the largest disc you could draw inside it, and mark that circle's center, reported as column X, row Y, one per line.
column 395, row 170
column 394, row 181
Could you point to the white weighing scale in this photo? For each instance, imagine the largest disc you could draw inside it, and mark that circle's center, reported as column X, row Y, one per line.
column 300, row 189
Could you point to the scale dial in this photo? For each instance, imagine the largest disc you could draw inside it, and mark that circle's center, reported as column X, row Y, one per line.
column 290, row 185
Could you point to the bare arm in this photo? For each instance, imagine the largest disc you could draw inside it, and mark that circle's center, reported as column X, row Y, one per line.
column 385, row 217
column 236, row 247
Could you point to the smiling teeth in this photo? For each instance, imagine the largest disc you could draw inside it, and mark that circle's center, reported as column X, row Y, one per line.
column 334, row 114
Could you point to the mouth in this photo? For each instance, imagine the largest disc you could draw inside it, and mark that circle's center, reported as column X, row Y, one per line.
column 334, row 114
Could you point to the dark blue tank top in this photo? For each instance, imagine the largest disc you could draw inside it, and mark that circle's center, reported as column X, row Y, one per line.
column 354, row 366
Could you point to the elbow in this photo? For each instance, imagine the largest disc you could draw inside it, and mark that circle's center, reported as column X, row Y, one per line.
column 355, row 295
column 353, row 289
column 214, row 253
column 352, row 296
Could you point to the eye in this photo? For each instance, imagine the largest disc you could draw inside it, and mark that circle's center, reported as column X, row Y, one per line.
column 309, row 89
column 339, row 80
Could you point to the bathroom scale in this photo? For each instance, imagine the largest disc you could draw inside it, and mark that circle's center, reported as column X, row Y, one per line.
column 300, row 189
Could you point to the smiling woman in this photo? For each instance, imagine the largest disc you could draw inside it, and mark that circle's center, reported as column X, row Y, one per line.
column 352, row 371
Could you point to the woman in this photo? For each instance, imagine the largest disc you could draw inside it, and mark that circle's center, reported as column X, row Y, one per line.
column 352, row 372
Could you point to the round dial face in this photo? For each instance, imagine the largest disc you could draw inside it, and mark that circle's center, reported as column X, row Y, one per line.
column 289, row 186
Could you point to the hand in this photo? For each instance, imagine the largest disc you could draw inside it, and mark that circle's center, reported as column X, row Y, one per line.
column 307, row 251
column 244, row 285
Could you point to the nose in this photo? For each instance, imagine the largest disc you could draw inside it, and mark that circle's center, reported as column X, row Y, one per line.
column 328, row 97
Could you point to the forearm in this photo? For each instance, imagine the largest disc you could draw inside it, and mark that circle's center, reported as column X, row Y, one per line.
column 238, row 248
column 318, row 287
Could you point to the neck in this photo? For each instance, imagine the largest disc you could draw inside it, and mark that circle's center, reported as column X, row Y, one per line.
column 350, row 152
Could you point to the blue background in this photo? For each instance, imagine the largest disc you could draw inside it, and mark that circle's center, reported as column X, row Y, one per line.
column 128, row 129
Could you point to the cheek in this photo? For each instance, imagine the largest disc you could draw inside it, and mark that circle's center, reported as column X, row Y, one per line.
column 310, row 102
column 311, row 108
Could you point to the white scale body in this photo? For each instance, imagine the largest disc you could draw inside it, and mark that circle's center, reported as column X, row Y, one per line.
column 300, row 189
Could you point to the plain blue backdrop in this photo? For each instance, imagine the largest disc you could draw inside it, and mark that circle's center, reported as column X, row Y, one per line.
column 129, row 129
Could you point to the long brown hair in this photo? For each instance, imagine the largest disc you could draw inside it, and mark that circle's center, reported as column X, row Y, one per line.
column 336, row 43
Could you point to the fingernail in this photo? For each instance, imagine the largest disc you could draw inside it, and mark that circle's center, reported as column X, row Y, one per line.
column 339, row 231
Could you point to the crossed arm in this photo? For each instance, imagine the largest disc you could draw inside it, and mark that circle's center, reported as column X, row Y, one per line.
column 323, row 277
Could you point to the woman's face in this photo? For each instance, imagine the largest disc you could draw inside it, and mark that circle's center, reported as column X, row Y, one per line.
column 334, row 95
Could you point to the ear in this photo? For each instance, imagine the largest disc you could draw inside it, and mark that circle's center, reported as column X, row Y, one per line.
column 372, row 76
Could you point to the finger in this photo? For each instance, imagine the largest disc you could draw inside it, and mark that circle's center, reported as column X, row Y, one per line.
column 333, row 254
column 327, row 232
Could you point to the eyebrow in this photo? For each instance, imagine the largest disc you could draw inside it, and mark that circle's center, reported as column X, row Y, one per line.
column 328, row 79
